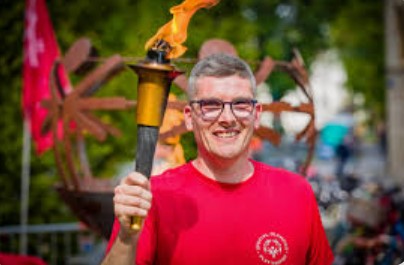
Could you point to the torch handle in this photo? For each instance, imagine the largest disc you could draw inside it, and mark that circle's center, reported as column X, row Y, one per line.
column 146, row 145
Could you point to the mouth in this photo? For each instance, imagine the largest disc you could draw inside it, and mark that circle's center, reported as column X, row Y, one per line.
column 226, row 134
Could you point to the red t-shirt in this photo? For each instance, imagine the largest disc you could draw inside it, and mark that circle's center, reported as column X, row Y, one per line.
column 272, row 218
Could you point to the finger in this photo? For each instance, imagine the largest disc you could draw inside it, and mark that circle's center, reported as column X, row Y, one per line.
column 135, row 178
column 125, row 212
column 135, row 191
column 132, row 201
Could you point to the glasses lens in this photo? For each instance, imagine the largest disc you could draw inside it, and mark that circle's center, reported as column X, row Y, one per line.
column 242, row 108
column 211, row 108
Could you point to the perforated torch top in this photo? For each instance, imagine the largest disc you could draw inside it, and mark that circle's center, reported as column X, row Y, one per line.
column 158, row 52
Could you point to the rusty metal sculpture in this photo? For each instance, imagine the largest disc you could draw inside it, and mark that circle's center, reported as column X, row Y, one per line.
column 89, row 198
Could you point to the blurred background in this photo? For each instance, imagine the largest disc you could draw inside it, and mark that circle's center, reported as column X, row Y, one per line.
column 353, row 52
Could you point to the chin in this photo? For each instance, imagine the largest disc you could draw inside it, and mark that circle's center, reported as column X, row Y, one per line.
column 228, row 155
column 230, row 151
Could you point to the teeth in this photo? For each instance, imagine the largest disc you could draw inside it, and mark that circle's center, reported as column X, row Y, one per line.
column 226, row 134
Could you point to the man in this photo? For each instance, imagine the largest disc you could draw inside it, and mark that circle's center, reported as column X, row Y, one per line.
column 222, row 207
column 343, row 153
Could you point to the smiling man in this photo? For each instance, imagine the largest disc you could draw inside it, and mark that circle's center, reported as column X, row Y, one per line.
column 222, row 207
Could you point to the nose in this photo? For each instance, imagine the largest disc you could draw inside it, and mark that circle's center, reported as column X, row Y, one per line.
column 227, row 113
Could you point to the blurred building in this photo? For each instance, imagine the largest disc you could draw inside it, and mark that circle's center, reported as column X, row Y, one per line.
column 394, row 28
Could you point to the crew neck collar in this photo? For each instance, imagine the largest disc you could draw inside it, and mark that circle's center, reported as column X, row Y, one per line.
column 222, row 184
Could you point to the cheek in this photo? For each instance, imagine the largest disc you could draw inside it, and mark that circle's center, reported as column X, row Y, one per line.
column 252, row 123
column 201, row 132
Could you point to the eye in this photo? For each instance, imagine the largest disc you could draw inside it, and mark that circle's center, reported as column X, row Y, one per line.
column 242, row 104
column 211, row 105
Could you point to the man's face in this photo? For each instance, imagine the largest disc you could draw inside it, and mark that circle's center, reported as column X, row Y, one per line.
column 227, row 136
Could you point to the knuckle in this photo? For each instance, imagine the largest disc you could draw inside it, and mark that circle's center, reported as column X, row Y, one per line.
column 115, row 199
column 137, row 190
column 117, row 189
column 137, row 201
column 148, row 195
column 138, row 212
column 143, row 180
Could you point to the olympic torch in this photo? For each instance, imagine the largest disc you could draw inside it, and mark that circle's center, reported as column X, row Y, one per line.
column 155, row 75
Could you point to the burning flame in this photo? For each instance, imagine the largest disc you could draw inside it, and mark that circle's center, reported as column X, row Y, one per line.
column 175, row 31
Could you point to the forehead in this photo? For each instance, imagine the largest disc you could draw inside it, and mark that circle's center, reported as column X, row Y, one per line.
column 223, row 87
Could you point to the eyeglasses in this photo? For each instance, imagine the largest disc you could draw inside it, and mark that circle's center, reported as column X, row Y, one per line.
column 211, row 109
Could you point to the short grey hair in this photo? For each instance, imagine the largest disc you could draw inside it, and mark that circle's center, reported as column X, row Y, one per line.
column 220, row 65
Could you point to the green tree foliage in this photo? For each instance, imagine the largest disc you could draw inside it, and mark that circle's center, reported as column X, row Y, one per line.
column 257, row 28
column 357, row 33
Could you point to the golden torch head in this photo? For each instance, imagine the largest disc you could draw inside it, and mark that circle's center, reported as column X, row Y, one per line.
column 155, row 75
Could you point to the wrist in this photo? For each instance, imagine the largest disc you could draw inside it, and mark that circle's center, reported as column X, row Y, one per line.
column 128, row 237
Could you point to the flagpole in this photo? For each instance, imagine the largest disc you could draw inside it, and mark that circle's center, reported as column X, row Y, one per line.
column 25, row 181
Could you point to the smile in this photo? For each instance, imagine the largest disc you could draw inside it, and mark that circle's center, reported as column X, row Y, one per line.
column 228, row 134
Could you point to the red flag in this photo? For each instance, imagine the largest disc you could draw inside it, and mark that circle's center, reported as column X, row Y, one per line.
column 40, row 51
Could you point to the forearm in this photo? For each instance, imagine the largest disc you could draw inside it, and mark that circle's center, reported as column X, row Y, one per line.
column 122, row 252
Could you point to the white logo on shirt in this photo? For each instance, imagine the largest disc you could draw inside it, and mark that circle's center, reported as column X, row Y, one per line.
column 272, row 248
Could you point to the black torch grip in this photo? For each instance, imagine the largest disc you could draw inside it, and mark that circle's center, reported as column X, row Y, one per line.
column 146, row 145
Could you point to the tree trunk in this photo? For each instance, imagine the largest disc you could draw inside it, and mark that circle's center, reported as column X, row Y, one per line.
column 394, row 16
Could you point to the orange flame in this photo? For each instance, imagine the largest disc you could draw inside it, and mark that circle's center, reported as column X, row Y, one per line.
column 175, row 31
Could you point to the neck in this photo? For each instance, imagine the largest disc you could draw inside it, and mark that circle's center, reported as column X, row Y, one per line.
column 227, row 171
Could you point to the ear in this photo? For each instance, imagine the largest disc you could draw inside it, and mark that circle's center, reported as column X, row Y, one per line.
column 188, row 118
column 257, row 115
